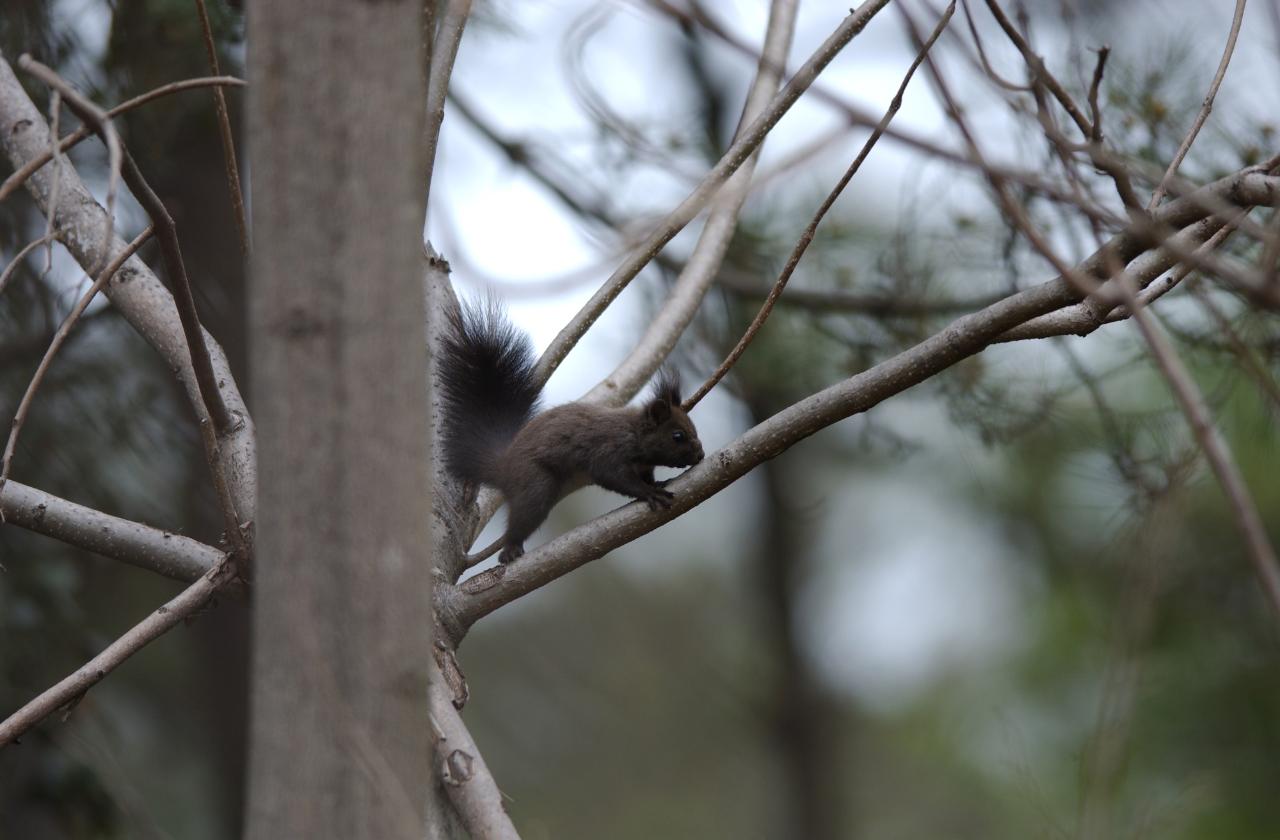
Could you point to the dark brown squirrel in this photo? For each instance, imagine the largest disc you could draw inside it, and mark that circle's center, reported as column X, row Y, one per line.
column 494, row 435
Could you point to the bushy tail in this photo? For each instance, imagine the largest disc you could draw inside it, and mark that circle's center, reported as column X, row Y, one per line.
column 488, row 389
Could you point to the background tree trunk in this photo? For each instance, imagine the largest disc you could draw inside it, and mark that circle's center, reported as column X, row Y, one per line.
column 340, row 738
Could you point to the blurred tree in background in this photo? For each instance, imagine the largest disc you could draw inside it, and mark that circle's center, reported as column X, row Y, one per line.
column 1009, row 603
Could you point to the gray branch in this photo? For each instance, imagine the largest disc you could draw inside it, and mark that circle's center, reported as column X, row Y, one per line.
column 162, row 552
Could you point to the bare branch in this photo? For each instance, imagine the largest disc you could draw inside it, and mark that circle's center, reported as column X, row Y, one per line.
column 166, row 231
column 1039, row 72
column 1095, row 110
column 1083, row 318
column 136, row 293
column 460, row 606
column 162, row 552
column 809, row 232
column 466, row 777
column 1216, row 451
column 71, row 689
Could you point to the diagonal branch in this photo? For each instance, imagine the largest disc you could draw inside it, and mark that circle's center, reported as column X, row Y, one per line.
column 69, row 691
column 444, row 52
column 1217, row 452
column 471, row 787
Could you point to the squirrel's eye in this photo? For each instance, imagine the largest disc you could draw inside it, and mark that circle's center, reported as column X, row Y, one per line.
column 677, row 436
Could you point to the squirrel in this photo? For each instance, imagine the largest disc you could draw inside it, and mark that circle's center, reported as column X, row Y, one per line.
column 493, row 433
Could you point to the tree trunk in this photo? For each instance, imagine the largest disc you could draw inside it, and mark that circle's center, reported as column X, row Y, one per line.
column 340, row 733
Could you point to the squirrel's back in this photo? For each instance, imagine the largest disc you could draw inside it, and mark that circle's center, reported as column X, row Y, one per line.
column 488, row 388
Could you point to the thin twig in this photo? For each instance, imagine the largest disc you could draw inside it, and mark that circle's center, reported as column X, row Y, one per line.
column 64, row 329
column 21, row 255
column 1036, row 65
column 704, row 263
column 91, row 114
column 1095, row 110
column 224, row 131
column 811, row 230
column 1205, row 108
column 25, row 171
column 990, row 71
column 72, row 688
column 675, row 221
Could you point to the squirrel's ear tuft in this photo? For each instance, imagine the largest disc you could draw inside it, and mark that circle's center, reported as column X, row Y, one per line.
column 666, row 388
column 658, row 411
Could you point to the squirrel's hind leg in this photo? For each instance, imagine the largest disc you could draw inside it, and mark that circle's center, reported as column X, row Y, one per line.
column 529, row 501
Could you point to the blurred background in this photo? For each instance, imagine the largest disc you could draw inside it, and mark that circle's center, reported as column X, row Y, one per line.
column 1009, row 603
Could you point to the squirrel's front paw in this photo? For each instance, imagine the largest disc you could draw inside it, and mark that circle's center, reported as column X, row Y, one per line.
column 510, row 554
column 660, row 499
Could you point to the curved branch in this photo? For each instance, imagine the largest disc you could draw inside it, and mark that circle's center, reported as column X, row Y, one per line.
column 137, row 293
column 23, row 172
